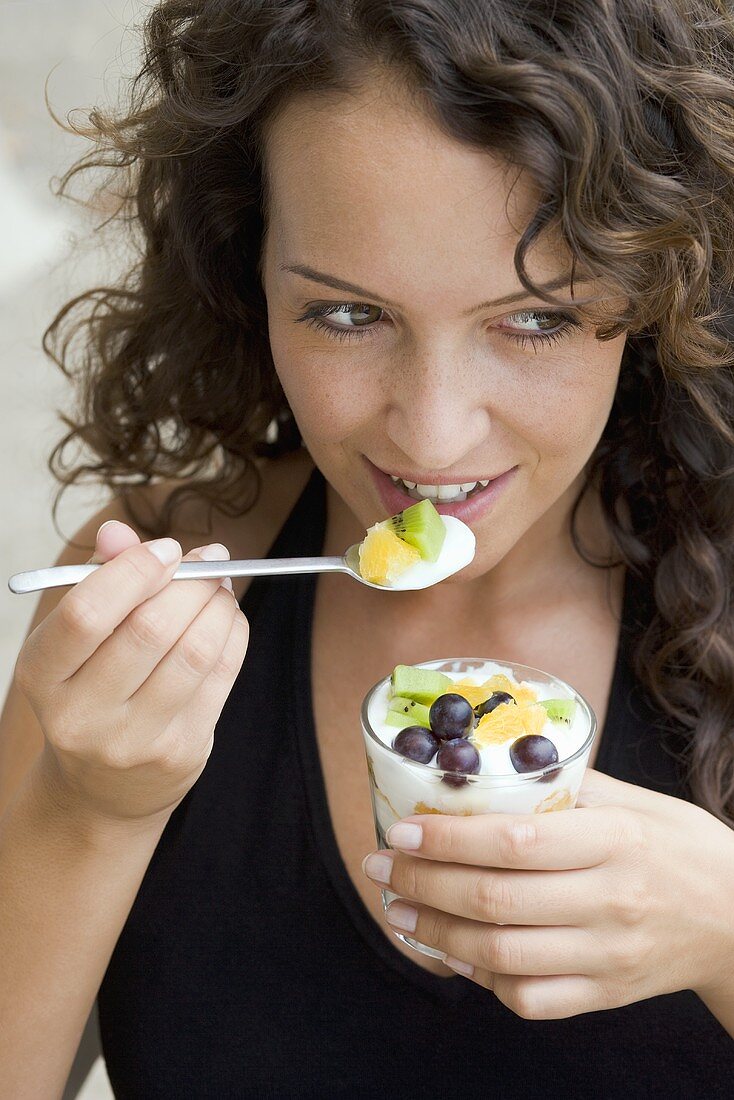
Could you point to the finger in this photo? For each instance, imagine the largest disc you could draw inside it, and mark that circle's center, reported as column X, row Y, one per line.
column 558, row 841
column 548, row 998
column 90, row 611
column 126, row 659
column 112, row 538
column 493, row 896
column 205, row 705
column 500, row 949
column 539, row 998
column 182, row 671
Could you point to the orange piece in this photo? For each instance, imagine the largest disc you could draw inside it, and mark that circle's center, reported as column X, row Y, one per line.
column 470, row 690
column 507, row 722
column 522, row 692
column 504, row 723
column 534, row 718
column 383, row 556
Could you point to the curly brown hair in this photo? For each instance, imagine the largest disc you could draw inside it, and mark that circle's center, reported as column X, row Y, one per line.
column 621, row 111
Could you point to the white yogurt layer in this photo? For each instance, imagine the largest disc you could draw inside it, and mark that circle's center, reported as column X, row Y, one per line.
column 457, row 551
column 402, row 787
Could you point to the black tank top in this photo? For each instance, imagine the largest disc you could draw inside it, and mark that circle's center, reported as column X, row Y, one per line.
column 250, row 967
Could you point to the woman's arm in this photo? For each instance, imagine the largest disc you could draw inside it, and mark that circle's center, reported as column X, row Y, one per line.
column 68, row 884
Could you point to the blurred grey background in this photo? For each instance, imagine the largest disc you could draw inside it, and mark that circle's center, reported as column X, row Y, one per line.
column 85, row 49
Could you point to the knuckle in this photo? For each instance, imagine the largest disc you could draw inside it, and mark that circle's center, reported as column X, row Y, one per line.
column 516, row 839
column 230, row 659
column 136, row 568
column 25, row 674
column 626, row 955
column 78, row 615
column 407, row 874
column 628, row 906
column 199, row 650
column 434, row 929
column 445, row 840
column 501, row 952
column 148, row 627
column 493, row 897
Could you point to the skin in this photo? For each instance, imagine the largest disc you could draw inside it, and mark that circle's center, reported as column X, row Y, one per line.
column 373, row 193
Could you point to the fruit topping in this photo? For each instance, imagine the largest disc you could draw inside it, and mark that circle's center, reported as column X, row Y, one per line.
column 383, row 557
column 451, row 716
column 457, row 755
column 508, row 721
column 421, row 526
column 416, row 743
column 533, row 752
column 488, row 705
column 521, row 693
column 423, row 685
column 560, row 710
column 406, row 712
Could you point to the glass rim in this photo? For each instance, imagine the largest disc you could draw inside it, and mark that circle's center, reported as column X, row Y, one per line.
column 508, row 777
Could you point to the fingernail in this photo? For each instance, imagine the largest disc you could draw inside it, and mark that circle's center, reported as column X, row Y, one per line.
column 402, row 916
column 378, row 866
column 166, row 550
column 405, row 835
column 214, row 552
column 460, row 967
column 106, row 523
column 226, row 582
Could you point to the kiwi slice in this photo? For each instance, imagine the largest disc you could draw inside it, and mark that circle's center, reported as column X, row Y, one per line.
column 560, row 710
column 420, row 526
column 406, row 712
column 422, row 685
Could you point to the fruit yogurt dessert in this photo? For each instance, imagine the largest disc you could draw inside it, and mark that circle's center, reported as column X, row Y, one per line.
column 469, row 736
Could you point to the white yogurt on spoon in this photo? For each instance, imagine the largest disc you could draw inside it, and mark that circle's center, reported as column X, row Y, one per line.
column 457, row 551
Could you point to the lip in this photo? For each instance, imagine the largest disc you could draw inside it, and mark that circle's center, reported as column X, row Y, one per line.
column 468, row 511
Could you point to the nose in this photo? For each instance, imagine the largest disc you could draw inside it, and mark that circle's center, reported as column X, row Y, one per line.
column 437, row 411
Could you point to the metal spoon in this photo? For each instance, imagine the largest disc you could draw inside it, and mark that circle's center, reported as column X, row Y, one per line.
column 60, row 575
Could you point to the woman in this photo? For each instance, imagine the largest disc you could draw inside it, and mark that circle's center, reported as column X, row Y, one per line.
column 431, row 244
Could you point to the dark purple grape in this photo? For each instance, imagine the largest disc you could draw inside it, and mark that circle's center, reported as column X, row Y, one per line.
column 533, row 752
column 457, row 755
column 494, row 700
column 451, row 716
column 416, row 743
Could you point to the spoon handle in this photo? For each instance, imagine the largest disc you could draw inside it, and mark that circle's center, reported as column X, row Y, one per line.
column 58, row 576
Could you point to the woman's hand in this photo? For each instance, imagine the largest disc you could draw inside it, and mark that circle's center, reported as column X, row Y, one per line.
column 627, row 896
column 127, row 677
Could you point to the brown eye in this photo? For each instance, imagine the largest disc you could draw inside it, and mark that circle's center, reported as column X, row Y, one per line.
column 356, row 316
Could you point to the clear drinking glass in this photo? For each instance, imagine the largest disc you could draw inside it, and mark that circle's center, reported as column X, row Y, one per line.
column 402, row 787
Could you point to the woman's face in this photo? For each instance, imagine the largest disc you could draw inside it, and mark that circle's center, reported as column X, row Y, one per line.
column 423, row 373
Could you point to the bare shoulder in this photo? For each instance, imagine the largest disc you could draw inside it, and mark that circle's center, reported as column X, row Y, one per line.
column 247, row 536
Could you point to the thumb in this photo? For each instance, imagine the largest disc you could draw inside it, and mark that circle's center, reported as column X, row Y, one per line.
column 112, row 538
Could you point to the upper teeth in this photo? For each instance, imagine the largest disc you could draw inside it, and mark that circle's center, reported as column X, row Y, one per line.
column 440, row 492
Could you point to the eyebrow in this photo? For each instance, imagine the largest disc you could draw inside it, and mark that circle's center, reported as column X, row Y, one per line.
column 351, row 288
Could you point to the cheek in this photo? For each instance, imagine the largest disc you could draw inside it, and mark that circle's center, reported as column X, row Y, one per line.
column 329, row 397
column 564, row 413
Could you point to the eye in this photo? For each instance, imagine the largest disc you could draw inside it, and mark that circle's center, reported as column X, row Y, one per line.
column 361, row 315
column 552, row 326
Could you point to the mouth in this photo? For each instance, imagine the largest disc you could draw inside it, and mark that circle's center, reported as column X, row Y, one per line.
column 443, row 494
column 466, row 500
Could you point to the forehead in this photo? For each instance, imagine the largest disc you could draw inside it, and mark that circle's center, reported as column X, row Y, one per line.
column 369, row 184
